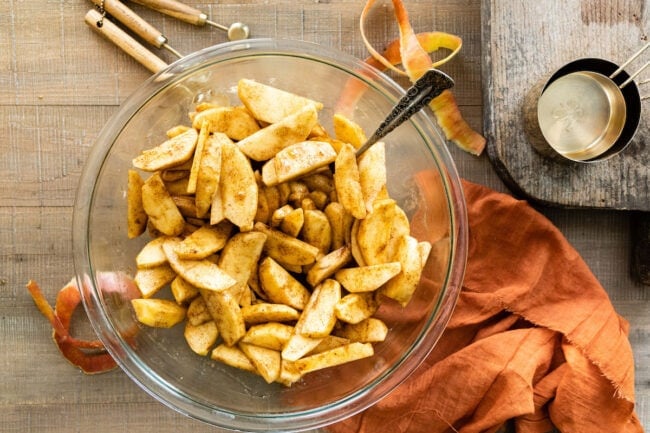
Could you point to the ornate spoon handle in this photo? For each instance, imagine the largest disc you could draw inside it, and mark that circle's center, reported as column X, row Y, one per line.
column 430, row 85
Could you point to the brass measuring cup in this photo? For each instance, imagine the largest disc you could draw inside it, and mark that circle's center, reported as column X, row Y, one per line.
column 587, row 111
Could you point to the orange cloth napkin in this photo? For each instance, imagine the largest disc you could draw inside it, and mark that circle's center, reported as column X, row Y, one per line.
column 534, row 339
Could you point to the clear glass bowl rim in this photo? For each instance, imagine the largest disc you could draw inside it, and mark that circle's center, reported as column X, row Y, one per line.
column 169, row 396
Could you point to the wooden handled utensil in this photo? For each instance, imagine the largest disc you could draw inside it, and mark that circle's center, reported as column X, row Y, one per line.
column 124, row 41
column 139, row 26
column 194, row 16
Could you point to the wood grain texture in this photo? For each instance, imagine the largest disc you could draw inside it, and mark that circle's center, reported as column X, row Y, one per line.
column 43, row 151
column 525, row 43
column 641, row 249
column 59, row 84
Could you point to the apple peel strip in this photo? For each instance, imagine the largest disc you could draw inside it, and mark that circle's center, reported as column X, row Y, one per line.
column 88, row 355
column 413, row 52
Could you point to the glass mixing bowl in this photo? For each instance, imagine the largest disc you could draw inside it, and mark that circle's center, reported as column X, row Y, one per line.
column 159, row 360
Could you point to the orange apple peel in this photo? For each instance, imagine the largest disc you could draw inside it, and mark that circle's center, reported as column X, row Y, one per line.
column 88, row 355
column 413, row 51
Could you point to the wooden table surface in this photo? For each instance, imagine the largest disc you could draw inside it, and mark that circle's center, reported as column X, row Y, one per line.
column 60, row 82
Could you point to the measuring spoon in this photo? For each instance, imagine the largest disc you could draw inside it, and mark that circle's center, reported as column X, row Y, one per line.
column 589, row 110
column 188, row 14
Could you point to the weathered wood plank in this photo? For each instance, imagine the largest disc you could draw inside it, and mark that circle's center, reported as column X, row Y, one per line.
column 600, row 238
column 39, row 48
column 641, row 249
column 525, row 42
column 43, row 151
column 99, row 416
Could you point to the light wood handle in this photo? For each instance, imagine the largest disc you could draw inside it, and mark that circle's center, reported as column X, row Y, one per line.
column 177, row 10
column 120, row 38
column 133, row 21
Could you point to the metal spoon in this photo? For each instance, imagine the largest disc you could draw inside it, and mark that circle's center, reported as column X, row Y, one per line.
column 236, row 31
column 194, row 16
column 427, row 87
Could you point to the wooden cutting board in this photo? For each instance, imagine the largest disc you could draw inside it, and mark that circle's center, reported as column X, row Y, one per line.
column 524, row 43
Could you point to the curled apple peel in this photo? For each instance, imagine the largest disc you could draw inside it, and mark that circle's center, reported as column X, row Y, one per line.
column 412, row 51
column 88, row 355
